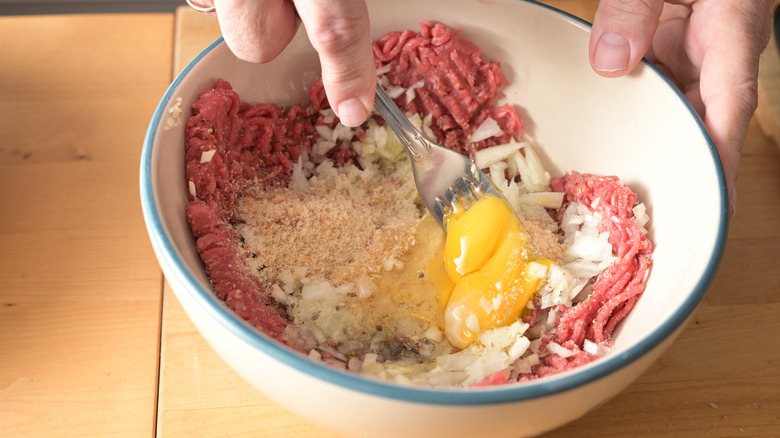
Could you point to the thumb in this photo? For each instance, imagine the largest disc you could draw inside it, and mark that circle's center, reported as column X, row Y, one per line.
column 622, row 33
column 339, row 31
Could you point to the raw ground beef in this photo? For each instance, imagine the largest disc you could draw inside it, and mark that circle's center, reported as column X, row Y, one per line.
column 617, row 289
column 450, row 80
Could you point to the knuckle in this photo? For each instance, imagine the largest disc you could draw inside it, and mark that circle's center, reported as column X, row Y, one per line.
column 336, row 37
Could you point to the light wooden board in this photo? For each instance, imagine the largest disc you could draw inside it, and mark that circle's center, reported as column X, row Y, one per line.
column 81, row 292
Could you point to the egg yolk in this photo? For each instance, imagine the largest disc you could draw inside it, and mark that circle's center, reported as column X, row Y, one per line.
column 485, row 276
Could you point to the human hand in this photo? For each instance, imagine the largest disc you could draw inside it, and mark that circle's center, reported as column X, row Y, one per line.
column 709, row 48
column 258, row 31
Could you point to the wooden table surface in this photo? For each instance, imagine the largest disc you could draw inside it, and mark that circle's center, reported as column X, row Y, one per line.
column 92, row 344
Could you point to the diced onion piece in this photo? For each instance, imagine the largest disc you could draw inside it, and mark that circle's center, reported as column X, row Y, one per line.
column 532, row 172
column 497, row 171
column 383, row 69
column 595, row 349
column 485, row 157
column 488, row 128
column 472, row 323
column 342, row 132
column 590, row 347
column 206, row 156
column 281, row 296
column 317, row 290
column 322, row 147
column 560, row 350
column 537, row 270
column 486, row 365
column 640, row 215
column 410, row 91
column 395, row 91
column 354, row 364
column 298, row 179
column 365, row 287
column 533, row 160
column 418, row 84
column 344, row 288
column 392, row 148
column 426, row 126
column 370, row 359
column 434, row 334
column 328, row 116
column 192, row 189
column 324, row 132
column 518, row 348
column 174, row 115
column 589, row 248
column 545, row 199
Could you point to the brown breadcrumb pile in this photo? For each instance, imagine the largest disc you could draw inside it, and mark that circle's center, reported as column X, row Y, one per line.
column 340, row 230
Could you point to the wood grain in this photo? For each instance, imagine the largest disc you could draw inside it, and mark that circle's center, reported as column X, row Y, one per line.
column 81, row 291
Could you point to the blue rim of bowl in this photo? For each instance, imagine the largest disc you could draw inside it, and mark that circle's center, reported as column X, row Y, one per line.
column 468, row 397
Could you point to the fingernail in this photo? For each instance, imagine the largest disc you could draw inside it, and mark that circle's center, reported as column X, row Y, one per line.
column 352, row 112
column 612, row 53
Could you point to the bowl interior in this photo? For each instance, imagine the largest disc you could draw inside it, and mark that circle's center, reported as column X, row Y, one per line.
column 637, row 127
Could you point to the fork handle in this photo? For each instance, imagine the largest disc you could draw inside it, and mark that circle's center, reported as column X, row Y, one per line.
column 410, row 136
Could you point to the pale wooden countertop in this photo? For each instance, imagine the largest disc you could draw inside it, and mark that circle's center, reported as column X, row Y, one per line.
column 92, row 344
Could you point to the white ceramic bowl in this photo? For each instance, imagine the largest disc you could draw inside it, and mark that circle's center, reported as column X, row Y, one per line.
column 638, row 127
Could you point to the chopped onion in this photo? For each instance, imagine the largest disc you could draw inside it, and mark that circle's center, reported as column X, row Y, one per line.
column 298, row 179
column 518, row 348
column 488, row 128
column 589, row 247
column 206, row 156
column 395, row 91
column 354, row 364
column 560, row 350
column 324, row 132
column 472, row 323
column 532, row 173
column 640, row 215
column 328, row 116
column 315, row 355
column 497, row 172
column 383, row 69
column 537, row 270
column 279, row 295
column 485, row 366
column 174, row 115
column 545, row 199
column 410, row 91
column 595, row 349
column 365, row 287
column 434, row 334
column 317, row 290
column 485, row 157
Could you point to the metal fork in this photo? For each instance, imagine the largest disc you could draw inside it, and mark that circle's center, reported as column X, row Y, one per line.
column 445, row 179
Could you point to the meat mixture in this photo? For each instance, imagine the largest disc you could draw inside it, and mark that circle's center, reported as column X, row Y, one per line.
column 313, row 233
